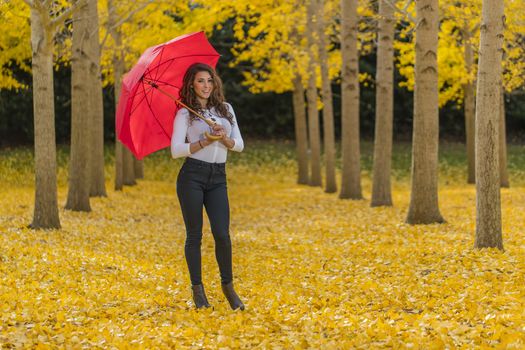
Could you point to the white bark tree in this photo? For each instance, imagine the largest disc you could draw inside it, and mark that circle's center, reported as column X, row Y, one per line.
column 43, row 29
column 489, row 84
column 351, row 153
column 79, row 160
column 504, row 171
column 381, row 186
column 424, row 207
column 127, row 168
column 311, row 98
column 95, row 107
column 328, row 109
column 470, row 106
column 301, row 136
column 138, row 168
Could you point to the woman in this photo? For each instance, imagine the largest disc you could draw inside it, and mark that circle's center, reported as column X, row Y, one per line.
column 202, row 178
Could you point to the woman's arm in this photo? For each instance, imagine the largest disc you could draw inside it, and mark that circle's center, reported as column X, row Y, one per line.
column 235, row 141
column 197, row 146
column 179, row 147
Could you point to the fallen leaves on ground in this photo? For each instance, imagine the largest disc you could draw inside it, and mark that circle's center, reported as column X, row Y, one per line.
column 314, row 271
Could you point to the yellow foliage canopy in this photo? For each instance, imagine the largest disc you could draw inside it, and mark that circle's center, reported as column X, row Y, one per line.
column 147, row 24
column 455, row 19
column 271, row 42
column 142, row 24
column 14, row 42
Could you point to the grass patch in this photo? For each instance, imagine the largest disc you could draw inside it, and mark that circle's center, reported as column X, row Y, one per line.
column 16, row 164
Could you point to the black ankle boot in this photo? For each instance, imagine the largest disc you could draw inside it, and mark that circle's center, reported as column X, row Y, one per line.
column 233, row 298
column 199, row 297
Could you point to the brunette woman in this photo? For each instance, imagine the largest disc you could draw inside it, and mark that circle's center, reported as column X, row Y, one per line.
column 202, row 179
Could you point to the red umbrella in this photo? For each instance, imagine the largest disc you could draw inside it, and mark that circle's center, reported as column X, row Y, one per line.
column 146, row 107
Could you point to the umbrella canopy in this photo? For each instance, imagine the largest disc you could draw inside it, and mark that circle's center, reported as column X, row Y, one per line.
column 144, row 117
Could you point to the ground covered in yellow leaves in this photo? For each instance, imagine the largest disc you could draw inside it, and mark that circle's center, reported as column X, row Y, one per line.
column 314, row 271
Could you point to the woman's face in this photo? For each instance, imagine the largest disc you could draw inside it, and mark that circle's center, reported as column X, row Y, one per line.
column 203, row 85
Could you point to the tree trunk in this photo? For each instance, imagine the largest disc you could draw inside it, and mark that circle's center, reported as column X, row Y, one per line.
column 470, row 107
column 424, row 207
column 119, row 179
column 79, row 170
column 311, row 98
column 328, row 109
column 95, row 108
column 118, row 71
column 488, row 204
column 45, row 214
column 301, row 137
column 351, row 172
column 504, row 172
column 138, row 167
column 128, row 167
column 381, row 187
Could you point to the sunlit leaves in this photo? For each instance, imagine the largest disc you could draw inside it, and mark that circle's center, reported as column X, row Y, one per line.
column 271, row 42
column 14, row 42
column 315, row 271
column 514, row 48
column 142, row 24
column 456, row 18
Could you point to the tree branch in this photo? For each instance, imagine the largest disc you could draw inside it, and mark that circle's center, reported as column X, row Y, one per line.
column 404, row 11
column 122, row 21
column 60, row 19
column 30, row 3
column 36, row 5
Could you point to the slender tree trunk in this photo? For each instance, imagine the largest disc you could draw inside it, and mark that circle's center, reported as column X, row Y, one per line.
column 95, row 107
column 313, row 133
column 351, row 174
column 138, row 167
column 470, row 107
column 328, row 109
column 488, row 203
column 311, row 97
column 118, row 71
column 424, row 207
column 45, row 214
column 504, row 172
column 381, row 187
column 301, row 137
column 128, row 167
column 119, row 179
column 79, row 170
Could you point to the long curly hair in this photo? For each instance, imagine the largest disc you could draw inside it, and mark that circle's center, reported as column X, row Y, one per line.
column 216, row 99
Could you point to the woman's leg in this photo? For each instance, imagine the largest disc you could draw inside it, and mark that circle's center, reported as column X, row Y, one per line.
column 191, row 196
column 218, row 210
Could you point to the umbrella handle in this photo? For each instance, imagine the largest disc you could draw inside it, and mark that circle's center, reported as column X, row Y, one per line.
column 212, row 137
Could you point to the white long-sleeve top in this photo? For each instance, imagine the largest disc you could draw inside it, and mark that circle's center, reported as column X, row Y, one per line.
column 215, row 152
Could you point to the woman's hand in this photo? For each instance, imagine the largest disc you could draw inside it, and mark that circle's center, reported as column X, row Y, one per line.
column 215, row 134
column 225, row 140
column 206, row 142
column 218, row 130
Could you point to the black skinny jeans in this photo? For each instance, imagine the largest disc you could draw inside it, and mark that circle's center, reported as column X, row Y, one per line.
column 201, row 183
